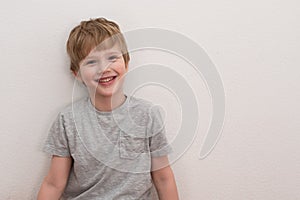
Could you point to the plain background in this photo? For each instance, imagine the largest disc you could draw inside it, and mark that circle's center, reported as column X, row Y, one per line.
column 255, row 46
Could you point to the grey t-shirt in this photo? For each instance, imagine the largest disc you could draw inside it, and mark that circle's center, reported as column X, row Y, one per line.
column 111, row 150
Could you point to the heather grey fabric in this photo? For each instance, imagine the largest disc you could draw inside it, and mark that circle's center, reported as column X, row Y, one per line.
column 111, row 150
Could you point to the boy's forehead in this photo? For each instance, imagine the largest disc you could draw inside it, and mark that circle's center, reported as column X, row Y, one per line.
column 100, row 51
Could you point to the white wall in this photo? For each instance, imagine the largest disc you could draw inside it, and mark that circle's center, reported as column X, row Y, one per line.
column 255, row 46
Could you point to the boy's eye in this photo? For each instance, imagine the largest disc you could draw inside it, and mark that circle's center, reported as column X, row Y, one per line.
column 113, row 58
column 91, row 62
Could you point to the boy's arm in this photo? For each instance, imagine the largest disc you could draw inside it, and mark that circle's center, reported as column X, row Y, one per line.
column 54, row 183
column 163, row 178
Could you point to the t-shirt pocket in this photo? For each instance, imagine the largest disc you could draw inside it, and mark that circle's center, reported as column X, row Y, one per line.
column 132, row 146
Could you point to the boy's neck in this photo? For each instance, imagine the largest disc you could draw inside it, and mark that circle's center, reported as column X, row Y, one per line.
column 107, row 104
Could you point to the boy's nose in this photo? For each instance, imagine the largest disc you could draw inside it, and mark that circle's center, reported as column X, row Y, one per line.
column 102, row 66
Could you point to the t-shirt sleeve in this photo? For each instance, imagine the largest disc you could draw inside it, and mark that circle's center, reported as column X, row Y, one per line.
column 158, row 142
column 57, row 141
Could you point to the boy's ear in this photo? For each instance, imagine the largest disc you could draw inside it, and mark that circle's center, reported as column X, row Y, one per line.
column 77, row 75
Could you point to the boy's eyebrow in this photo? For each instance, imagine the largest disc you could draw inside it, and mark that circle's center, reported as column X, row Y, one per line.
column 113, row 52
column 90, row 57
column 108, row 53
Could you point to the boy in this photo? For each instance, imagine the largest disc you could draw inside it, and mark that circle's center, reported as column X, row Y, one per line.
column 108, row 145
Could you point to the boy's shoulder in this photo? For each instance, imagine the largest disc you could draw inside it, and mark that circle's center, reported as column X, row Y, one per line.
column 138, row 101
column 75, row 104
column 140, row 104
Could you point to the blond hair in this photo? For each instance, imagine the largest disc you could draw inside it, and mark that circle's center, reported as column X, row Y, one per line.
column 88, row 35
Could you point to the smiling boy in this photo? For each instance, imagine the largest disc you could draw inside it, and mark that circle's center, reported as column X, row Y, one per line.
column 102, row 71
column 108, row 145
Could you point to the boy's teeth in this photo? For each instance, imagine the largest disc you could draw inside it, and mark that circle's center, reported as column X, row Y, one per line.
column 106, row 80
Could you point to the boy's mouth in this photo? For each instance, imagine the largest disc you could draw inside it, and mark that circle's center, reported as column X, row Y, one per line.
column 106, row 80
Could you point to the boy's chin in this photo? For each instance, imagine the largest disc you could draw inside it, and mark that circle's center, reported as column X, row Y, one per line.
column 108, row 94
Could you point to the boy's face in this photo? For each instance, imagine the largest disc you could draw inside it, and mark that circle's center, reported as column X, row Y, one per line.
column 102, row 71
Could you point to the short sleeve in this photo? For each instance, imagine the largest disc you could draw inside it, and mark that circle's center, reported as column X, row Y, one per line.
column 158, row 142
column 57, row 141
